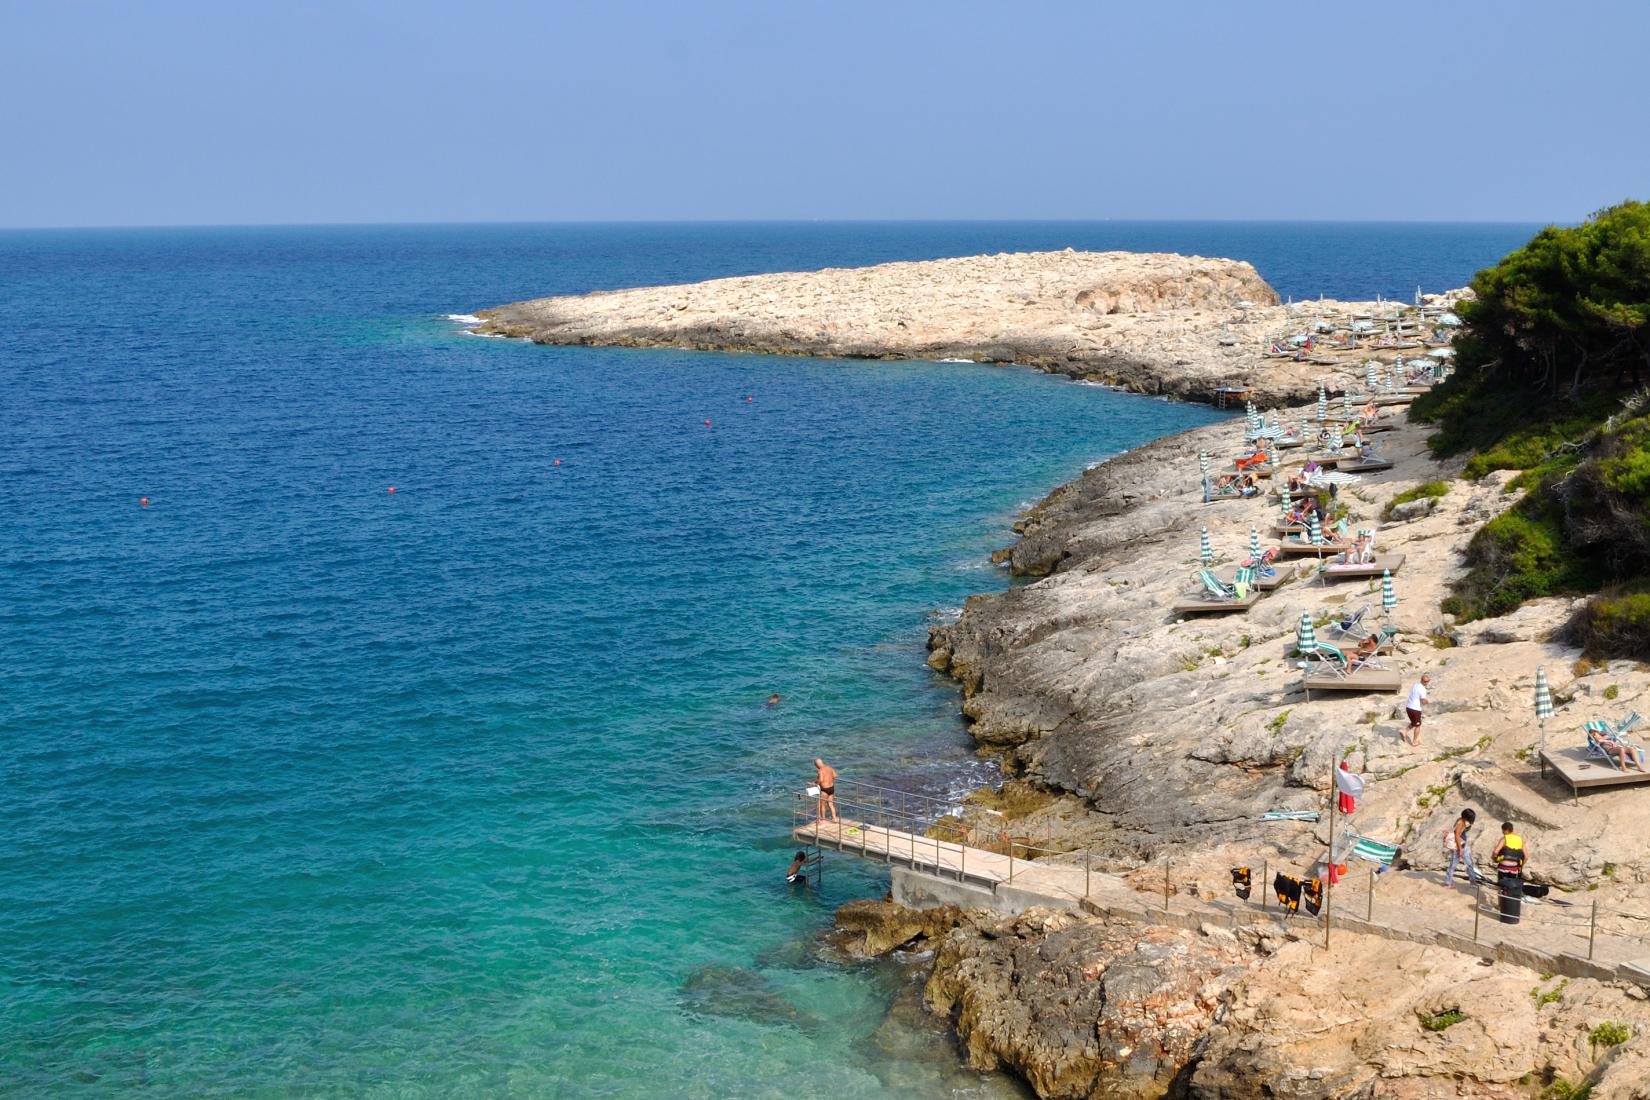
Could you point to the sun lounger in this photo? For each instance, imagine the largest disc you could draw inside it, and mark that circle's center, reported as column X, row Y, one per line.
column 1602, row 738
column 1382, row 562
column 1290, row 815
column 1218, row 597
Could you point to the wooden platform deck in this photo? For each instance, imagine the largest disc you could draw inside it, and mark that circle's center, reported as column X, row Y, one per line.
column 1290, row 546
column 1368, row 680
column 1393, row 562
column 1584, row 773
column 1365, row 467
column 1215, row 607
column 1392, row 399
column 1278, row 578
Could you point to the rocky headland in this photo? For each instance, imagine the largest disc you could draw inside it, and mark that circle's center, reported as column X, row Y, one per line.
column 1148, row 322
column 1154, row 743
column 1149, row 745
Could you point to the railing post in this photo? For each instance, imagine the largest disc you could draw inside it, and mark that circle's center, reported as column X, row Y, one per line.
column 1265, row 882
column 1369, row 910
column 1085, row 872
column 1477, row 910
column 962, row 865
column 1011, row 863
column 1592, row 931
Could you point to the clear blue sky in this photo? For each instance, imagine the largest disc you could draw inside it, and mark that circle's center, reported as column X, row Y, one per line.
column 125, row 113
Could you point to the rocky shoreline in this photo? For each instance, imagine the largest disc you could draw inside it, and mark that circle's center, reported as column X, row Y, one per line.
column 1153, row 741
column 1152, row 744
column 1183, row 326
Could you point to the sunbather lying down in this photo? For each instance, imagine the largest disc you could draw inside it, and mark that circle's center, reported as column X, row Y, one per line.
column 1365, row 652
column 1361, row 552
column 1625, row 755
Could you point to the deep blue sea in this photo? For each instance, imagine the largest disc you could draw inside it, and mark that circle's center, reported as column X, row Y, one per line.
column 311, row 789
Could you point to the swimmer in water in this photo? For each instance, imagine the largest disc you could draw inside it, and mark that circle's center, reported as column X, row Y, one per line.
column 793, row 873
column 773, row 700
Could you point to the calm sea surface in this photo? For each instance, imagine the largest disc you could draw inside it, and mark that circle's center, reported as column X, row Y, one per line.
column 314, row 790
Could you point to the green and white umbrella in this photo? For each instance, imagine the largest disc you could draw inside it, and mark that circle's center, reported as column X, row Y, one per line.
column 1314, row 533
column 1203, row 462
column 1323, row 404
column 1346, row 403
column 1254, row 544
column 1389, row 598
column 1305, row 640
column 1205, row 551
column 1283, row 498
column 1392, row 377
column 1543, row 703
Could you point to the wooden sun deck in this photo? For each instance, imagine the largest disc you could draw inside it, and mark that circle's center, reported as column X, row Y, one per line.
column 1584, row 772
column 1290, row 546
column 1365, row 467
column 1370, row 679
column 1261, row 584
column 1393, row 562
column 1392, row 399
column 1215, row 607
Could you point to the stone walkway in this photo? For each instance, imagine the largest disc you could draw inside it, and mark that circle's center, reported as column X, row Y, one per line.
column 1412, row 907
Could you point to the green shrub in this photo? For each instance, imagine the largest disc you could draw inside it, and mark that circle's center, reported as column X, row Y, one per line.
column 1612, row 692
column 1611, row 1033
column 1444, row 1019
column 1430, row 490
column 1614, row 626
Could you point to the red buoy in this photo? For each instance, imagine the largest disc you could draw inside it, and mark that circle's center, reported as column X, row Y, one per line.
column 748, row 397
column 392, row 488
column 707, row 423
column 143, row 502
column 558, row 462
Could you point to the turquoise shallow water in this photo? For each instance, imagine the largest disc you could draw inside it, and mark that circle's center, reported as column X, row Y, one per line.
column 312, row 789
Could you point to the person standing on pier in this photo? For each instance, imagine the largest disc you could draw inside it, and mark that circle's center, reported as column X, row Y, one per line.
column 825, row 778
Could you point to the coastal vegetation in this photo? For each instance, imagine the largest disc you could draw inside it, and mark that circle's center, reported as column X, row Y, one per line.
column 1553, row 360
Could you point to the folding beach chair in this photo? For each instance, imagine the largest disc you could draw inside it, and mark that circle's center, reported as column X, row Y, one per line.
column 1599, row 731
column 1350, row 625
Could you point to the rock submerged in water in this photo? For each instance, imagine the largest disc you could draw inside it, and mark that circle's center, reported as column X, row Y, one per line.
column 740, row 993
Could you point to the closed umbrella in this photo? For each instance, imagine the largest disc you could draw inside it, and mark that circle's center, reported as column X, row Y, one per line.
column 1323, row 404
column 1543, row 704
column 1283, row 496
column 1389, row 598
column 1372, row 377
column 1305, row 640
column 1254, row 544
column 1346, row 404
column 1314, row 533
column 1203, row 548
column 1203, row 462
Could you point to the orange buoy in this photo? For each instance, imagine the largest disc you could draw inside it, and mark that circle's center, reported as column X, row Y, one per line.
column 143, row 502
column 558, row 462
column 392, row 488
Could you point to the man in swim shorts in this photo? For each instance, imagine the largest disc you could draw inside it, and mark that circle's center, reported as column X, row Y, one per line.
column 825, row 777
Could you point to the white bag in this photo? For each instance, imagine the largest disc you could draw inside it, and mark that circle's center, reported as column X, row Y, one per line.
column 1449, row 839
column 812, row 792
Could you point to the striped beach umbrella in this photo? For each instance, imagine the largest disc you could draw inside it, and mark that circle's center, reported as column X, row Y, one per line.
column 1392, row 377
column 1203, row 462
column 1305, row 640
column 1346, row 404
column 1389, row 598
column 1323, row 404
column 1372, row 376
column 1543, row 703
column 1205, row 551
column 1283, row 497
column 1314, row 533
column 1254, row 544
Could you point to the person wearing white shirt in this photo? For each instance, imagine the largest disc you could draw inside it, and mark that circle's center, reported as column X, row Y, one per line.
column 1417, row 699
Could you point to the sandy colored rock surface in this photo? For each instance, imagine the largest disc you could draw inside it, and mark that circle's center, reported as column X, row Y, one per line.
column 1150, row 322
